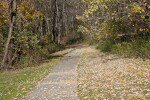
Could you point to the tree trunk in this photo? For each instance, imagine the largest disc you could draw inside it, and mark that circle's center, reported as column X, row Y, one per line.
column 54, row 20
column 48, row 29
column 12, row 17
column 63, row 17
column 58, row 24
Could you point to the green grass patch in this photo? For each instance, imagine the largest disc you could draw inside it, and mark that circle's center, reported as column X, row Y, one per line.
column 136, row 48
column 16, row 84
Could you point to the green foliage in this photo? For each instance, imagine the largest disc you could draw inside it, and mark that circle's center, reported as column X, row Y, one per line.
column 136, row 48
column 115, row 27
column 26, row 40
column 105, row 46
column 77, row 37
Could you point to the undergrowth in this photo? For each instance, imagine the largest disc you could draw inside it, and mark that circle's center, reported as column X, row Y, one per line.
column 138, row 47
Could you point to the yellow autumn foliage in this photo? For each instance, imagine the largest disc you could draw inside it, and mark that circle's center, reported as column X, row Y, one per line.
column 30, row 13
column 3, row 13
column 145, row 29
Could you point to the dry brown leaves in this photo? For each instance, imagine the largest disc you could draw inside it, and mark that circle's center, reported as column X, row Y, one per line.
column 109, row 77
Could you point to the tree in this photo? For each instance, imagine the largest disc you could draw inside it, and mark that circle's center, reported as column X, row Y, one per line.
column 113, row 18
column 12, row 11
column 34, row 27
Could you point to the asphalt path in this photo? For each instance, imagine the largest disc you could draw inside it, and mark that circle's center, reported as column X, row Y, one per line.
column 61, row 82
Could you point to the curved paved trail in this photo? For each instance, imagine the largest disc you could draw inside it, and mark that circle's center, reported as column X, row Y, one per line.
column 61, row 83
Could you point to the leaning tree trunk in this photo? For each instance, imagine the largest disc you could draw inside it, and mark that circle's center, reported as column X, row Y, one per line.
column 12, row 9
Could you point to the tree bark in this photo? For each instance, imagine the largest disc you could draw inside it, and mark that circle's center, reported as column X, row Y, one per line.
column 63, row 17
column 54, row 20
column 58, row 24
column 12, row 9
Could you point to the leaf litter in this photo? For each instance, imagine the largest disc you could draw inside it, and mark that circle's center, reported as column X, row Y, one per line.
column 109, row 77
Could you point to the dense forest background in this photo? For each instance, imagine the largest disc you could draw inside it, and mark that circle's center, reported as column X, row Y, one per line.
column 31, row 29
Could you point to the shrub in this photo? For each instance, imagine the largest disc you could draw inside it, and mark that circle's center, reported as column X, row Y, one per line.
column 137, row 48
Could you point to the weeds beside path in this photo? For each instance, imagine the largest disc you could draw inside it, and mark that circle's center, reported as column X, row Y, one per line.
column 108, row 77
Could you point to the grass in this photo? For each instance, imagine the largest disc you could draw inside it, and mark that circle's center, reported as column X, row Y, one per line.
column 136, row 48
column 17, row 84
